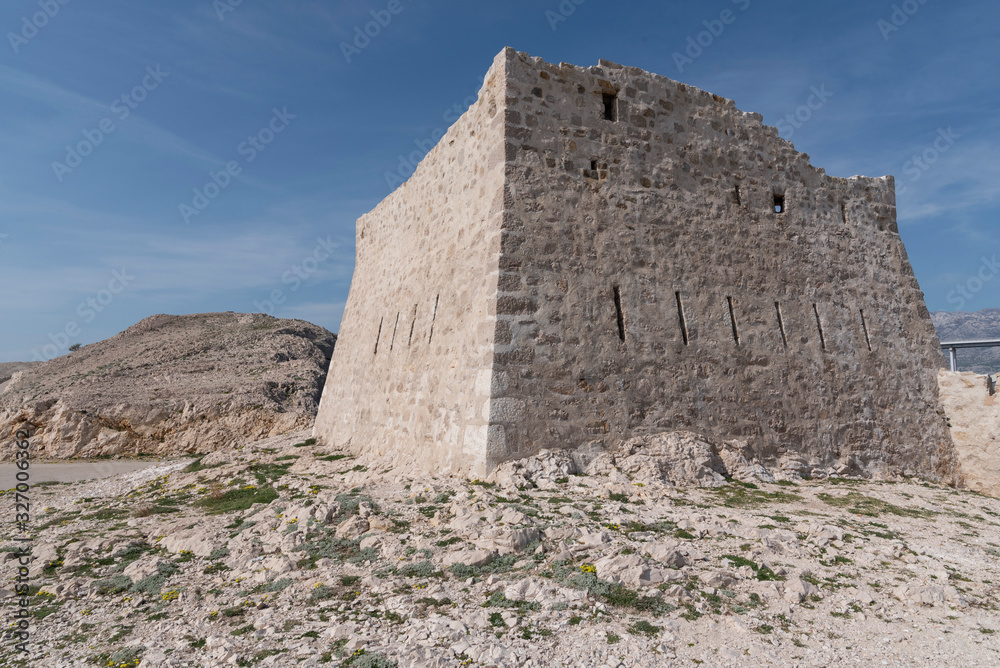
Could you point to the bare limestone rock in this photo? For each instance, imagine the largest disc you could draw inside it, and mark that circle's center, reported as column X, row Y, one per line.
column 974, row 419
column 171, row 385
column 679, row 459
column 200, row 541
column 353, row 527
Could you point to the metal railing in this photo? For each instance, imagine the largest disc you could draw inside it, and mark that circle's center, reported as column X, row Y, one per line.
column 954, row 346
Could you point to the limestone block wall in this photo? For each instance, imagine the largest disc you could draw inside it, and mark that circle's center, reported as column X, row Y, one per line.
column 591, row 254
column 410, row 377
column 669, row 262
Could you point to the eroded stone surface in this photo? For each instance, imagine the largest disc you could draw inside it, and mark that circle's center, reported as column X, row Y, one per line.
column 171, row 385
column 594, row 254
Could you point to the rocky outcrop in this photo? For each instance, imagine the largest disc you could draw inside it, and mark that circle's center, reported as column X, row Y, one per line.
column 974, row 420
column 171, row 384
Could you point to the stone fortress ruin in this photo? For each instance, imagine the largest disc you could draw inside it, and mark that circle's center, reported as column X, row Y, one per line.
column 593, row 254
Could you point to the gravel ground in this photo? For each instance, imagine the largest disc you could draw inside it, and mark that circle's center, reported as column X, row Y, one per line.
column 286, row 553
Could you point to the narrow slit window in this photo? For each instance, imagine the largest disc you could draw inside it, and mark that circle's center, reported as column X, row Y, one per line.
column 379, row 335
column 621, row 316
column 864, row 326
column 738, row 196
column 781, row 324
column 843, row 213
column 413, row 324
column 819, row 326
column 610, row 107
column 681, row 318
column 433, row 319
column 732, row 320
column 392, row 341
column 779, row 203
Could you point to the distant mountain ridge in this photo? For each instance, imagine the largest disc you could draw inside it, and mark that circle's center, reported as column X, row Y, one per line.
column 963, row 326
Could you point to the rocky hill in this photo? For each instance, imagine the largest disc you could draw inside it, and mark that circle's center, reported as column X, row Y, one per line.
column 8, row 369
column 287, row 553
column 171, row 384
column 962, row 326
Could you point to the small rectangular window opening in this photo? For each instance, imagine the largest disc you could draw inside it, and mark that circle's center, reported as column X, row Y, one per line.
column 621, row 316
column 681, row 318
column 781, row 324
column 413, row 324
column 433, row 319
column 819, row 326
column 732, row 320
column 610, row 107
column 779, row 203
column 864, row 326
column 593, row 165
column 392, row 342
column 379, row 335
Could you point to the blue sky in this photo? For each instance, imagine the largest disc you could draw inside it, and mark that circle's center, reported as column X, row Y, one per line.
column 154, row 101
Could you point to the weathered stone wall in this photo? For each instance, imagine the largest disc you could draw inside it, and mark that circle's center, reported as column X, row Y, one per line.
column 563, row 246
column 426, row 263
column 647, row 205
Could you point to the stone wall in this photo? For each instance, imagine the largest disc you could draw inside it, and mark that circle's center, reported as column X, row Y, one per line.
column 646, row 283
column 410, row 375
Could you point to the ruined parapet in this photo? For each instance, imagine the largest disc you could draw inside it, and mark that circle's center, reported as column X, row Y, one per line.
column 592, row 254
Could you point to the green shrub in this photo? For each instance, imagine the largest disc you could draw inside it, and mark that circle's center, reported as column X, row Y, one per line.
column 644, row 628
column 116, row 584
column 238, row 499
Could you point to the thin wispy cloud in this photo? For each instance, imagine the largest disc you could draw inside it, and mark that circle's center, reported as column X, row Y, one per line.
column 354, row 119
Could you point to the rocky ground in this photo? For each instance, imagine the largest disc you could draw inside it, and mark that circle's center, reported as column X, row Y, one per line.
column 285, row 553
column 170, row 385
column 974, row 420
column 8, row 369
